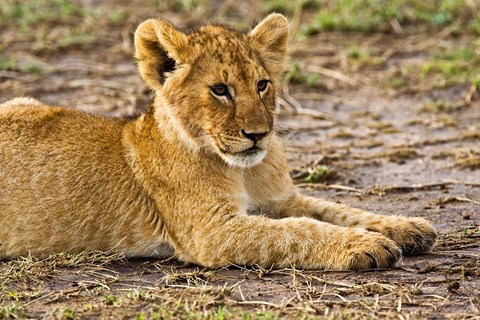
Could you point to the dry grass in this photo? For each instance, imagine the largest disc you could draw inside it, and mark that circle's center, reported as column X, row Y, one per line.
column 236, row 294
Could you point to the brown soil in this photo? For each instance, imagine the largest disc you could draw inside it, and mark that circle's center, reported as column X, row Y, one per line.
column 384, row 152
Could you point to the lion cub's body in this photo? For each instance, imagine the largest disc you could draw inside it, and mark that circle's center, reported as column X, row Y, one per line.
column 76, row 192
column 184, row 176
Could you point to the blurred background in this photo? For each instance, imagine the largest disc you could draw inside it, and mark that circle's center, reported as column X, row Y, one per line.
column 56, row 50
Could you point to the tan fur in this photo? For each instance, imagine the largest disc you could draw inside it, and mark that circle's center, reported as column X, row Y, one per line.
column 184, row 176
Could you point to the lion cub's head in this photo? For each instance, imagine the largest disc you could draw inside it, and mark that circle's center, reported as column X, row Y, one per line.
column 217, row 86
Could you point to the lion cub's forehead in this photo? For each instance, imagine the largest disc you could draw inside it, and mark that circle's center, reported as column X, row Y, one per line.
column 229, row 49
column 222, row 44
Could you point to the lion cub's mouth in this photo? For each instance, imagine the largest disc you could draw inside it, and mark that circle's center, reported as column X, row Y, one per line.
column 253, row 150
column 245, row 158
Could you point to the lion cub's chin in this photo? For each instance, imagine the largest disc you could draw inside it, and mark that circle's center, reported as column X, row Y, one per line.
column 244, row 159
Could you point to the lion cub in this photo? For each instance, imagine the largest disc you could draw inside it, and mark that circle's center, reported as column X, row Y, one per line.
column 182, row 177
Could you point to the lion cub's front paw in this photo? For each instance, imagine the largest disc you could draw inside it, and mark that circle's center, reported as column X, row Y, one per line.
column 413, row 235
column 371, row 250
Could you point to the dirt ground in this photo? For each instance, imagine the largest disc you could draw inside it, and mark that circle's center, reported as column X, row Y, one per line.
column 354, row 133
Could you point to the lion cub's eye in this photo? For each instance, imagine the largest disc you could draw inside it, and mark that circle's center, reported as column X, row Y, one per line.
column 262, row 85
column 220, row 89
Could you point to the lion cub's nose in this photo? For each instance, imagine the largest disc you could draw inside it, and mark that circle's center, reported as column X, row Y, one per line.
column 255, row 136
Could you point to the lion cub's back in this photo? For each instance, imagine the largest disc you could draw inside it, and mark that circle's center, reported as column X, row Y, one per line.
column 40, row 135
column 61, row 174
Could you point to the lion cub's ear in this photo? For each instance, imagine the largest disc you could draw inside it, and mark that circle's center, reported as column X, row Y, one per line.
column 159, row 48
column 270, row 38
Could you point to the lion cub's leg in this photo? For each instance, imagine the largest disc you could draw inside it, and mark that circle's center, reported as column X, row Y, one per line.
column 300, row 242
column 413, row 235
column 272, row 189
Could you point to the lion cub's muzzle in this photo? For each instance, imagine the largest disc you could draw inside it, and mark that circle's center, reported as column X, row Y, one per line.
column 246, row 150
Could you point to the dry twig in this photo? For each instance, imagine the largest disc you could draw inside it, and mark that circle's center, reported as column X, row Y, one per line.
column 332, row 74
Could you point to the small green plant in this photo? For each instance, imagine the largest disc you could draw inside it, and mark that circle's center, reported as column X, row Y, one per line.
column 17, row 296
column 220, row 313
column 475, row 24
column 6, row 63
column 312, row 79
column 160, row 313
column 69, row 313
column 469, row 231
column 137, row 294
column 398, row 82
column 31, row 67
column 476, row 83
column 112, row 300
column 266, row 315
column 297, row 75
column 117, row 16
column 11, row 311
column 14, row 295
column 317, row 174
column 357, row 58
